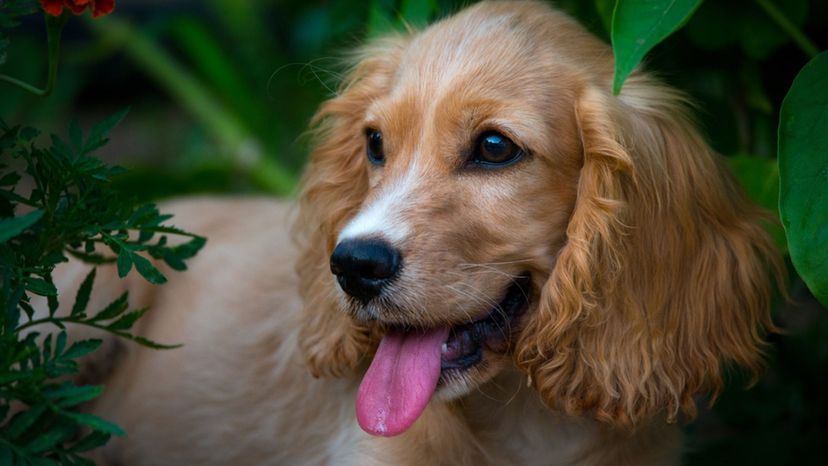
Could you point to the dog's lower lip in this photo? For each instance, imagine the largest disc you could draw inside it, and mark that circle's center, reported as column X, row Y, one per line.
column 466, row 342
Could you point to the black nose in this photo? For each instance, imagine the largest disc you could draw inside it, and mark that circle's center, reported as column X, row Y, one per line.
column 363, row 266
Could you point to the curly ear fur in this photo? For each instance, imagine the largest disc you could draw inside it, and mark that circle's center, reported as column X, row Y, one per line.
column 333, row 188
column 664, row 277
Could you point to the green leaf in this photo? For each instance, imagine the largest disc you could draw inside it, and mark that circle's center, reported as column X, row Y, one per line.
column 60, row 345
column 639, row 25
column 81, row 348
column 21, row 422
column 190, row 248
column 94, row 422
column 173, row 261
column 94, row 440
column 41, row 287
column 144, row 341
column 114, row 309
column 803, row 171
column 60, row 148
column 143, row 214
column 148, row 271
column 82, row 297
column 124, row 262
column 126, row 321
column 47, row 347
column 13, row 377
column 9, row 179
column 52, row 303
column 97, row 135
column 50, row 438
column 77, row 395
column 11, row 227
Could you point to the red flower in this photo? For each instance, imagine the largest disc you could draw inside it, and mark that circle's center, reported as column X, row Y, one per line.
column 99, row 7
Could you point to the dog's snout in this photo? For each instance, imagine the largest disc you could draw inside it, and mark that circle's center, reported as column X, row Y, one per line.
column 364, row 266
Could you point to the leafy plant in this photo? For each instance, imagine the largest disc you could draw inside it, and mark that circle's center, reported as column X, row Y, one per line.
column 10, row 13
column 639, row 25
column 803, row 168
column 244, row 77
column 70, row 211
column 779, row 420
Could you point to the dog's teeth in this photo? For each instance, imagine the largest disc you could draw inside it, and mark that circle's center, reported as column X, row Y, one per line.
column 444, row 348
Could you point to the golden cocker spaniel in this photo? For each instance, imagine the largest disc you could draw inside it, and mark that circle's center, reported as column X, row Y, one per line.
column 500, row 262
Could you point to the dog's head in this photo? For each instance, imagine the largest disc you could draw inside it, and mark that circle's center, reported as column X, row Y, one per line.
column 479, row 198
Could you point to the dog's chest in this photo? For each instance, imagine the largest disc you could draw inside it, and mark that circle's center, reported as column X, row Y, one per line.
column 514, row 427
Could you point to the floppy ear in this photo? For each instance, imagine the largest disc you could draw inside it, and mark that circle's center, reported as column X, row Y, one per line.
column 665, row 274
column 333, row 188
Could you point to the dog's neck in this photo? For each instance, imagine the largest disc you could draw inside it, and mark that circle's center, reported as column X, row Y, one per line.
column 511, row 425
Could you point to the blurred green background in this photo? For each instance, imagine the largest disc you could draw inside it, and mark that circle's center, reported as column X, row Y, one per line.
column 221, row 92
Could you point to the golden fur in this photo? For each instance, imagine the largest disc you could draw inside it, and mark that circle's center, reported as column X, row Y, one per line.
column 658, row 270
column 650, row 269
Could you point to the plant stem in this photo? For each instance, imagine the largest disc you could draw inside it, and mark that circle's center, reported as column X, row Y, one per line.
column 33, row 323
column 60, row 321
column 54, row 28
column 783, row 22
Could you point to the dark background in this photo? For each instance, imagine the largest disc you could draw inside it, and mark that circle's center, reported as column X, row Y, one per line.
column 221, row 92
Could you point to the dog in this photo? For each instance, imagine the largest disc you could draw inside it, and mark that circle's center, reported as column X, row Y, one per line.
column 493, row 261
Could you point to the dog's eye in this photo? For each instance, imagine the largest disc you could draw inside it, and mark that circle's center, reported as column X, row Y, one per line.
column 375, row 152
column 495, row 150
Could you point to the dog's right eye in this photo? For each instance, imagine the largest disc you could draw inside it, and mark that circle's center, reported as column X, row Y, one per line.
column 375, row 152
column 494, row 150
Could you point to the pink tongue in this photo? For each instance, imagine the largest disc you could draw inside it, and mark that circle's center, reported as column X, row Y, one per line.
column 400, row 381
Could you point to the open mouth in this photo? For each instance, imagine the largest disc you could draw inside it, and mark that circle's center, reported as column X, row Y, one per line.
column 466, row 342
column 411, row 363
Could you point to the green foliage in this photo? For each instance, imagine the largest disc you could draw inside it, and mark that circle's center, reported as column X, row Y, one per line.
column 386, row 16
column 71, row 210
column 803, row 168
column 638, row 25
column 743, row 24
column 760, row 179
column 729, row 57
column 9, row 13
column 240, row 80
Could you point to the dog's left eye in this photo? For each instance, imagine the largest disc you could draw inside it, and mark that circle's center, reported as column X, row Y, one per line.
column 376, row 154
column 495, row 150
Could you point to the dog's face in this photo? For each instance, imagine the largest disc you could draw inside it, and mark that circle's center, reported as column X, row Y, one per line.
column 464, row 153
column 479, row 199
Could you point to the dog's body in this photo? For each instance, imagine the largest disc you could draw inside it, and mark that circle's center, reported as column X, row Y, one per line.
column 238, row 392
column 536, row 272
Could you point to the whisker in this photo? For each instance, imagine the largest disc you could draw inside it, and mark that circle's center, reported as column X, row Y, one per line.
column 468, row 295
column 495, row 307
column 516, row 261
column 314, row 69
column 494, row 383
column 512, row 278
column 489, row 269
